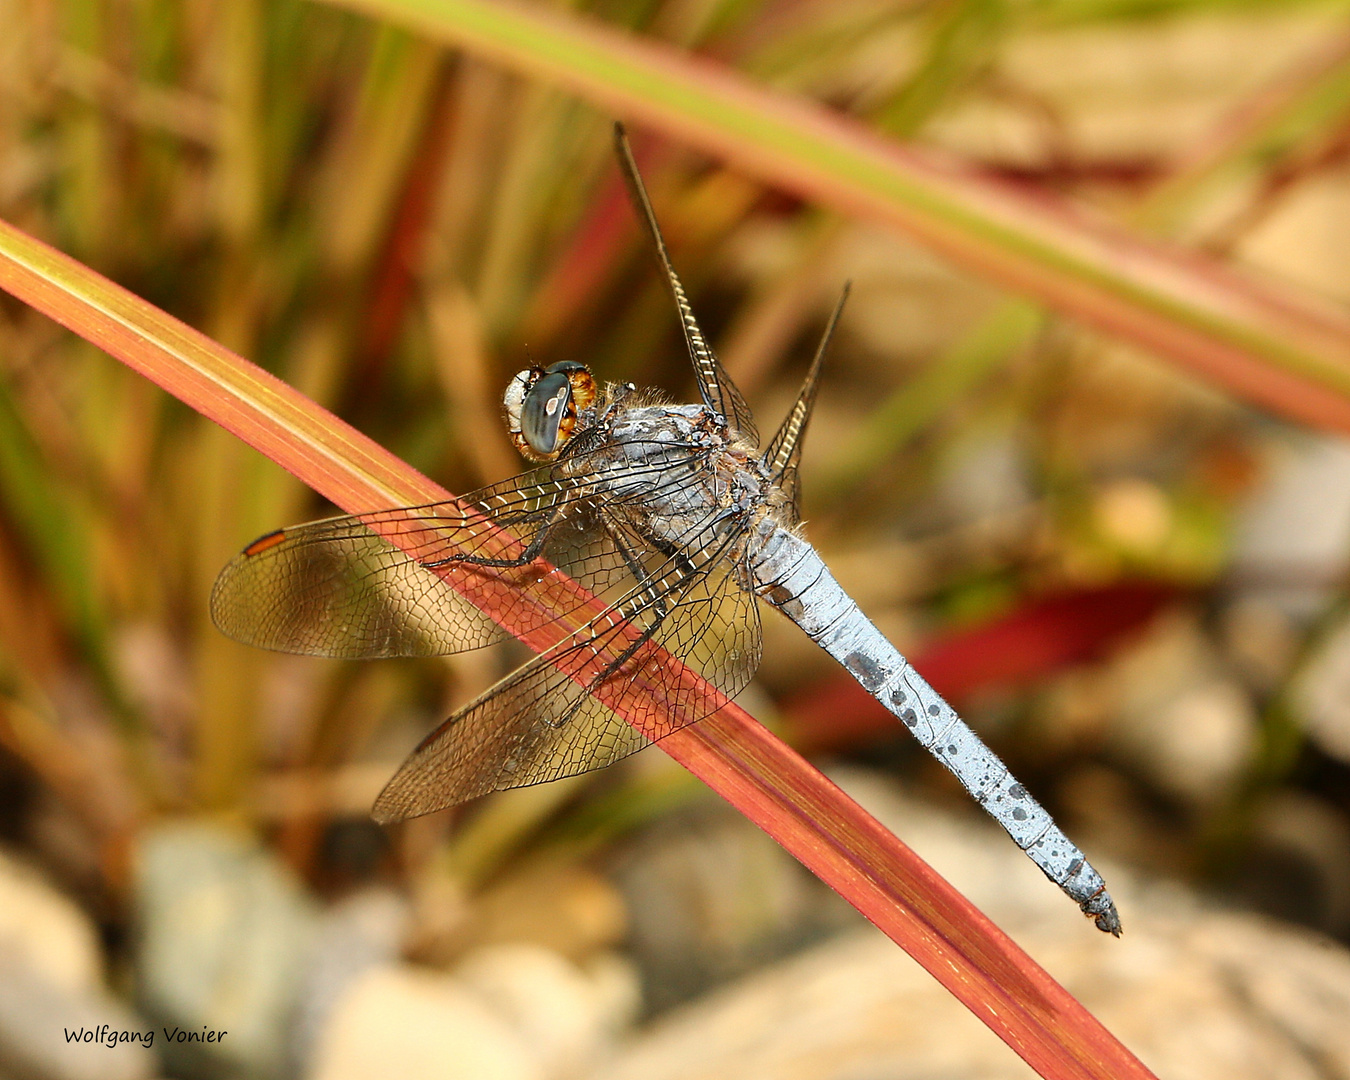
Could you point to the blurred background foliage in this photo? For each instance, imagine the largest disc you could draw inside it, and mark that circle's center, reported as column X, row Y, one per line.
column 1132, row 584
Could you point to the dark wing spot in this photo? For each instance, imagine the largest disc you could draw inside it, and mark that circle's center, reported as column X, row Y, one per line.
column 261, row 544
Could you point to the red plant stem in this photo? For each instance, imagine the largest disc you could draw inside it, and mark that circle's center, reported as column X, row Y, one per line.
column 743, row 762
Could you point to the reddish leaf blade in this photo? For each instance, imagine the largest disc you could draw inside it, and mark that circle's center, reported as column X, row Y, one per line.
column 734, row 755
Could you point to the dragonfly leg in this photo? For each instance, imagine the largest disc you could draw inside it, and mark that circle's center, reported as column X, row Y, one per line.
column 531, row 552
column 606, row 674
column 654, row 593
column 635, row 567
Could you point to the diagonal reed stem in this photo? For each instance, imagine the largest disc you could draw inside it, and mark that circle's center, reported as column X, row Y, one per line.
column 738, row 758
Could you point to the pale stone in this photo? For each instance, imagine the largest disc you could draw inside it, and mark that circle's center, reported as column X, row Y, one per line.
column 566, row 909
column 49, row 1034
column 1297, row 525
column 1179, row 717
column 564, row 1013
column 507, row 1012
column 51, row 984
column 47, row 931
column 1197, row 993
column 362, row 931
column 1322, row 693
column 398, row 1022
column 225, row 932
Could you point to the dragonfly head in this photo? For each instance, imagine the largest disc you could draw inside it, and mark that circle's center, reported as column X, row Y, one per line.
column 543, row 406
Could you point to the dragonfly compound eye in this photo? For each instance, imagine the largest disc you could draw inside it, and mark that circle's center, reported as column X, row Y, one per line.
column 548, row 414
column 543, row 407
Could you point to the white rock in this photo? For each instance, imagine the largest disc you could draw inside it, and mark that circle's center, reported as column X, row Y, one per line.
column 1298, row 523
column 564, row 1013
column 398, row 1022
column 1196, row 743
column 362, row 931
column 1197, row 993
column 51, row 986
column 1181, row 718
column 1322, row 693
column 49, row 1034
column 507, row 1012
column 47, row 931
column 225, row 933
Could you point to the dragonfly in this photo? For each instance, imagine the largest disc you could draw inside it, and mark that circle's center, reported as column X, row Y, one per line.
column 633, row 556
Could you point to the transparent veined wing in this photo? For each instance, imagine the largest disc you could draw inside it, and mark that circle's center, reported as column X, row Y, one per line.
column 402, row 582
column 550, row 718
column 716, row 387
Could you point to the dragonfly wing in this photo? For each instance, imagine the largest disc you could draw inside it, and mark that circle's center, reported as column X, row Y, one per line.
column 784, row 453
column 549, row 719
column 715, row 385
column 394, row 583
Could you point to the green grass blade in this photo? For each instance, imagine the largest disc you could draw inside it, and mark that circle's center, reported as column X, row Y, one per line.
column 1273, row 347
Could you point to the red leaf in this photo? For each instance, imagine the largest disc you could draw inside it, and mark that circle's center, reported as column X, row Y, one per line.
column 743, row 762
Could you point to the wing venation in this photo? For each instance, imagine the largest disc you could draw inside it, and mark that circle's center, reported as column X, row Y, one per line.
column 550, row 718
column 403, row 582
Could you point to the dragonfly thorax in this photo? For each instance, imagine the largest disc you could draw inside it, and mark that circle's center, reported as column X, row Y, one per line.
column 683, row 468
column 543, row 405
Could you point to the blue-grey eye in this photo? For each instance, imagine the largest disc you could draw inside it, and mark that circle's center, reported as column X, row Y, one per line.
column 542, row 415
